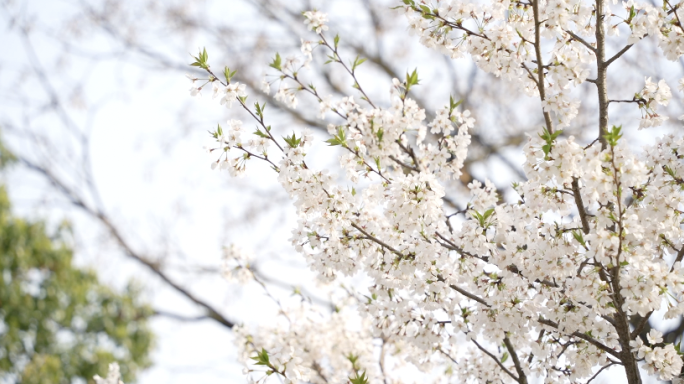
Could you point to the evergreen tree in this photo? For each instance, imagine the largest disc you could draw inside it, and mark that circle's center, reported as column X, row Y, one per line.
column 58, row 323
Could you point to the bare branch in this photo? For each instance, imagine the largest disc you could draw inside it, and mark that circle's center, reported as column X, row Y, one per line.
column 582, row 336
column 522, row 378
column 128, row 250
column 496, row 359
column 581, row 40
column 617, row 55
column 580, row 205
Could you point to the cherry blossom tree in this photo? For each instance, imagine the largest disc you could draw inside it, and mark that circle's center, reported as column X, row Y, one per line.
column 557, row 283
column 58, row 83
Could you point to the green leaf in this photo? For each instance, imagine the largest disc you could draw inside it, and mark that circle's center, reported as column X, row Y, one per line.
column 426, row 12
column 258, row 109
column 504, row 357
column 480, row 218
column 549, row 138
column 292, row 141
column 578, row 236
column 488, row 213
column 613, row 136
column 411, row 79
column 363, row 379
column 453, row 105
column 228, row 74
column 352, row 358
column 260, row 133
column 332, row 59
column 201, row 60
column 277, row 62
column 261, row 358
column 358, row 61
column 339, row 139
column 337, row 40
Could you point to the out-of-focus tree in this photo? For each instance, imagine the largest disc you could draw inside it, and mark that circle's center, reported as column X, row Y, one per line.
column 58, row 322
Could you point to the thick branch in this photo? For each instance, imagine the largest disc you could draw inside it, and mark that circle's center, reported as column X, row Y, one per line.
column 601, row 77
column 580, row 205
column 522, row 378
column 540, row 62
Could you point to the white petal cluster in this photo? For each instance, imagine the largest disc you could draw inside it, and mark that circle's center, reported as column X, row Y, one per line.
column 236, row 266
column 195, row 88
column 310, row 346
column 651, row 94
column 316, row 20
column 541, row 286
column 523, row 265
column 229, row 93
column 287, row 96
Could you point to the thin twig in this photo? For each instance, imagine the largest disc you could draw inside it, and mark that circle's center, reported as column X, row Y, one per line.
column 582, row 336
column 581, row 40
column 617, row 55
column 496, row 359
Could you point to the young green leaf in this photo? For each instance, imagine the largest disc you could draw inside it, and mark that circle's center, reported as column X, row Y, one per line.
column 292, row 141
column 228, row 74
column 261, row 358
column 613, row 135
column 260, row 133
column 358, row 61
column 277, row 62
column 411, row 79
column 363, row 379
column 452, row 104
column 201, row 60
column 339, row 139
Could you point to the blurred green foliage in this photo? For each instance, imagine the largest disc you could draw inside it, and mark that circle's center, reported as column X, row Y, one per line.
column 57, row 322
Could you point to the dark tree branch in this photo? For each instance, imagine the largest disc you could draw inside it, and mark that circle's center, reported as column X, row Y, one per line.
column 496, row 359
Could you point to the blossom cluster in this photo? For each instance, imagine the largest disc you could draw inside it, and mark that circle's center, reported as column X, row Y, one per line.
column 544, row 285
column 236, row 265
column 502, row 39
column 652, row 92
